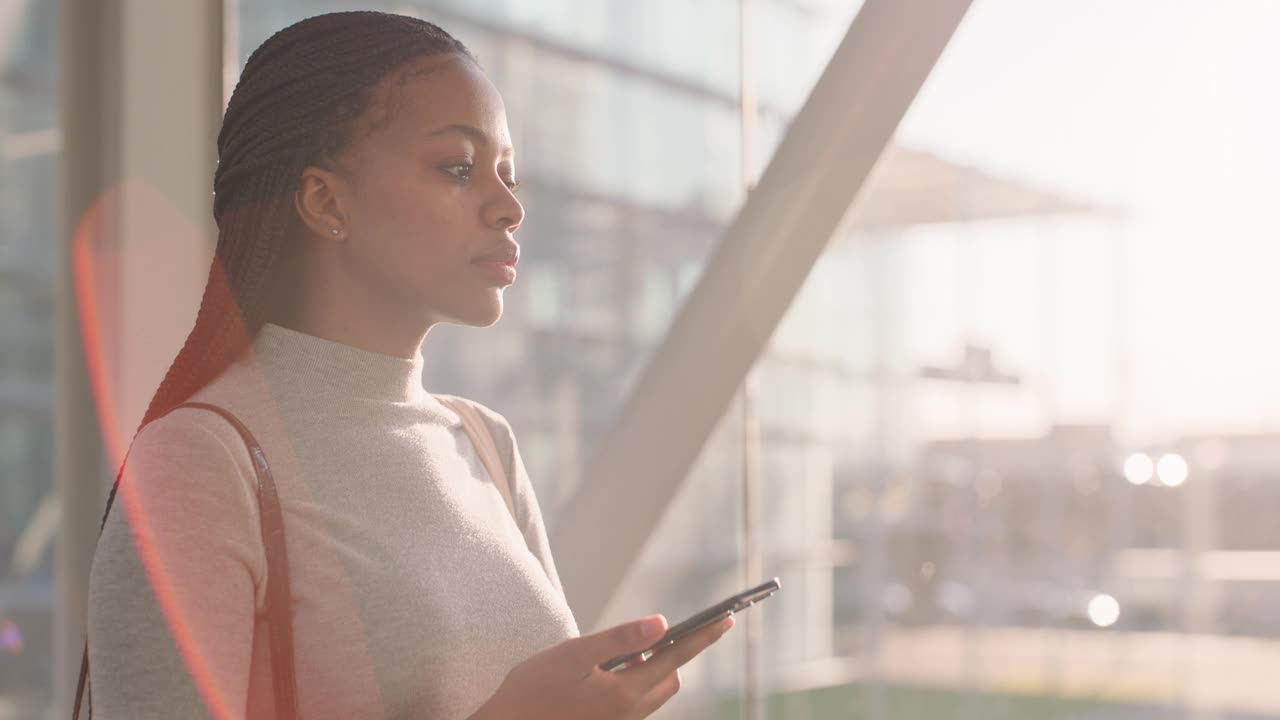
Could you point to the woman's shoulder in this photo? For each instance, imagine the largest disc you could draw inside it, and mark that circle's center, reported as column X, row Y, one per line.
column 497, row 423
column 186, row 445
column 490, row 416
column 187, row 497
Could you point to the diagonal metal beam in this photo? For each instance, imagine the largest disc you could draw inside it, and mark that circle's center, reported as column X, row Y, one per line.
column 749, row 282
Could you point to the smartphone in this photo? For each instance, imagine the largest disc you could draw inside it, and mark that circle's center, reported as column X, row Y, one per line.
column 710, row 616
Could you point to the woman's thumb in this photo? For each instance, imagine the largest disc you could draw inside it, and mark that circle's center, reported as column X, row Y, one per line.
column 621, row 639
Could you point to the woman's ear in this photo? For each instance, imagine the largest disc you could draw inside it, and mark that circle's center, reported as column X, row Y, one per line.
column 319, row 203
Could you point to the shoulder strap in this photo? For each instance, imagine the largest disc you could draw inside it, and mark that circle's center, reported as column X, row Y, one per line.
column 279, row 612
column 478, row 430
column 279, row 615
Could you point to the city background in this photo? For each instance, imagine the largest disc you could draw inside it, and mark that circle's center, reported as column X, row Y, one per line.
column 1016, row 438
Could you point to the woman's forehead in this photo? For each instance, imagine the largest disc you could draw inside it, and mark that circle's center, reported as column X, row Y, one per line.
column 437, row 95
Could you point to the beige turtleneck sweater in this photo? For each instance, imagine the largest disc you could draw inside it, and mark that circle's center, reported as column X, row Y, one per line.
column 414, row 589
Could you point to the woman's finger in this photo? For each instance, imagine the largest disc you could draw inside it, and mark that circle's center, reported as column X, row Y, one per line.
column 657, row 696
column 664, row 662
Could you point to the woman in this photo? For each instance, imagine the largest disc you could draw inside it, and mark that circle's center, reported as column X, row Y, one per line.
column 364, row 193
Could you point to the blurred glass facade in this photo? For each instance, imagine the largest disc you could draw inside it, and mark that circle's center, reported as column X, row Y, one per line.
column 971, row 511
column 29, row 258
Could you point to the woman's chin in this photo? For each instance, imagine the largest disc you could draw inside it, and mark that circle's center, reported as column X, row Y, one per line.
column 483, row 313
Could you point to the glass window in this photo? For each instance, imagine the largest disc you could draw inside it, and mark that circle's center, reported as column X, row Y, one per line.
column 28, row 255
column 692, row 43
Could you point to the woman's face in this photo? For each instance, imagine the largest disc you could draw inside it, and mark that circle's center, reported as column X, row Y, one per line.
column 427, row 192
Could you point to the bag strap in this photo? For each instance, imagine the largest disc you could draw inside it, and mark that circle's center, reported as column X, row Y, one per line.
column 478, row 430
column 279, row 615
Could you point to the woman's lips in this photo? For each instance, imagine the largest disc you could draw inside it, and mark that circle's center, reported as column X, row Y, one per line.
column 503, row 271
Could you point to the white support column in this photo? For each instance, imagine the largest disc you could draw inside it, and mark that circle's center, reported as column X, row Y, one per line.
column 763, row 259
column 172, row 108
column 141, row 103
column 88, row 44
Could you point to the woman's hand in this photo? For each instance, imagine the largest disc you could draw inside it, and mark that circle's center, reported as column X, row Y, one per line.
column 565, row 682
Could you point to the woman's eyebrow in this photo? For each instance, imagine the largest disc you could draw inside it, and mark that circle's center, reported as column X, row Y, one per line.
column 477, row 135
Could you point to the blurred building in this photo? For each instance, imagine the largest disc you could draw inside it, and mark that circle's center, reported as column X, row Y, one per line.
column 29, row 242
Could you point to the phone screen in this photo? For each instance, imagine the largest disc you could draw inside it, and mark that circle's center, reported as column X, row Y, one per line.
column 710, row 616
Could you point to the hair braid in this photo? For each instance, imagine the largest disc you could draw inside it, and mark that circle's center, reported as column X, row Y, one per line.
column 296, row 104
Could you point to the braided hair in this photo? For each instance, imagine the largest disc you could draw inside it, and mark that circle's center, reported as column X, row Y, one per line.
column 296, row 105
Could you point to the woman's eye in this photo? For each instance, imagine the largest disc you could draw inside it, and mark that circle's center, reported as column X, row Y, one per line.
column 465, row 173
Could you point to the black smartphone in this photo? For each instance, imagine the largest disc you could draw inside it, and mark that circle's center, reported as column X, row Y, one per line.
column 710, row 616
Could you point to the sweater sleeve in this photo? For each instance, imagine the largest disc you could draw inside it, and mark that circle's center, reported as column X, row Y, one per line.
column 528, row 511
column 178, row 575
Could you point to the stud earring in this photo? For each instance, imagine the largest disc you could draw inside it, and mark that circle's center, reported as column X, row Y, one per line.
column 334, row 230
